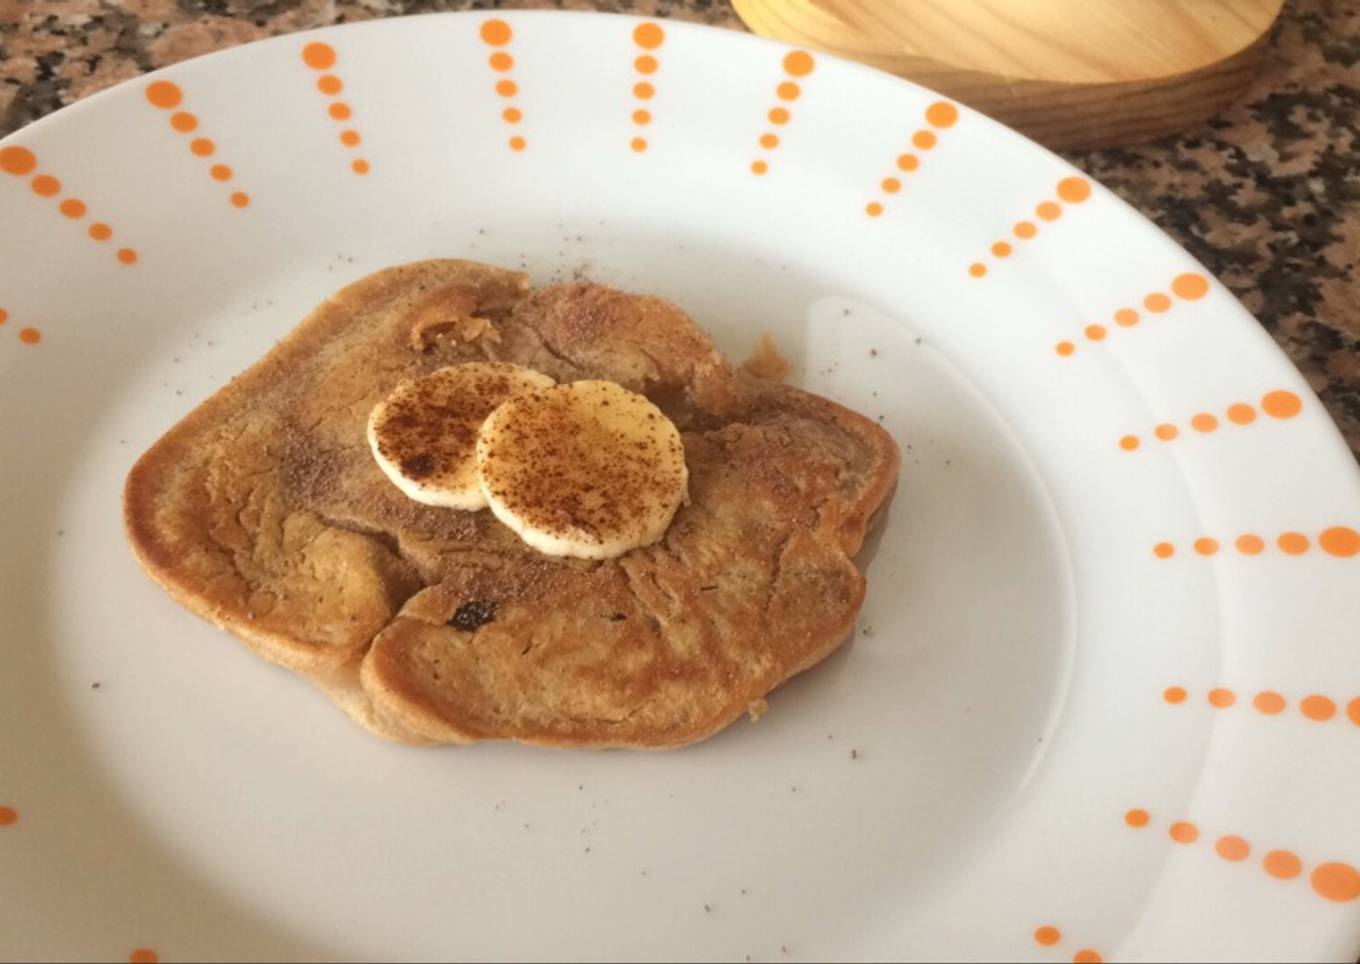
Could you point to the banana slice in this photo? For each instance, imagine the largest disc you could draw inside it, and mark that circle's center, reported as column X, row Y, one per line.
column 424, row 435
column 587, row 469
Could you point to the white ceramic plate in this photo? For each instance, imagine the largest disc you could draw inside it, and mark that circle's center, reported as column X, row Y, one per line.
column 997, row 767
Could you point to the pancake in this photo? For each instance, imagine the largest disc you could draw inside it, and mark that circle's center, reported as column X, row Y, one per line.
column 264, row 512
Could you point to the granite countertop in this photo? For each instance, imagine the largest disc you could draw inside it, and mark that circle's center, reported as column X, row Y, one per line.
column 1267, row 195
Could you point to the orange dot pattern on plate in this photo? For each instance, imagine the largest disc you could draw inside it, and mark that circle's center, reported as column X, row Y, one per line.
column 940, row 115
column 1137, row 818
column 1282, row 864
column 1166, row 432
column 321, row 57
column 1281, row 404
column 1268, row 703
column 648, row 36
column 1221, row 698
column 1047, row 936
column 1183, row 831
column 1070, row 190
column 1206, row 546
column 1050, row 936
column 17, row 161
column 20, row 162
column 8, row 816
column 167, row 95
column 1341, row 542
column 1232, row 848
column 1293, row 543
column 1336, row 882
column 1190, row 286
column 1314, row 706
column 1331, row 880
column 797, row 65
column 1317, row 707
column 144, row 955
column 1250, row 544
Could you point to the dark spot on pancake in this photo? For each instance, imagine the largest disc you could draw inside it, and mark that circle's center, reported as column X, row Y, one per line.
column 472, row 616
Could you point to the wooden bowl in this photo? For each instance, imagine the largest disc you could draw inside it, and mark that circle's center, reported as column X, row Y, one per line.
column 1068, row 73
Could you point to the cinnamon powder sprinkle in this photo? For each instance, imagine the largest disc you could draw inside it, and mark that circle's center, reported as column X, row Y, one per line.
column 429, row 425
column 552, row 460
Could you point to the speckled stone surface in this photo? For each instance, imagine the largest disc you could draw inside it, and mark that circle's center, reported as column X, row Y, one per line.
column 1267, row 195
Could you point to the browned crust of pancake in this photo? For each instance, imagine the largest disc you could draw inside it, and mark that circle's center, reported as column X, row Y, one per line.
column 263, row 512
